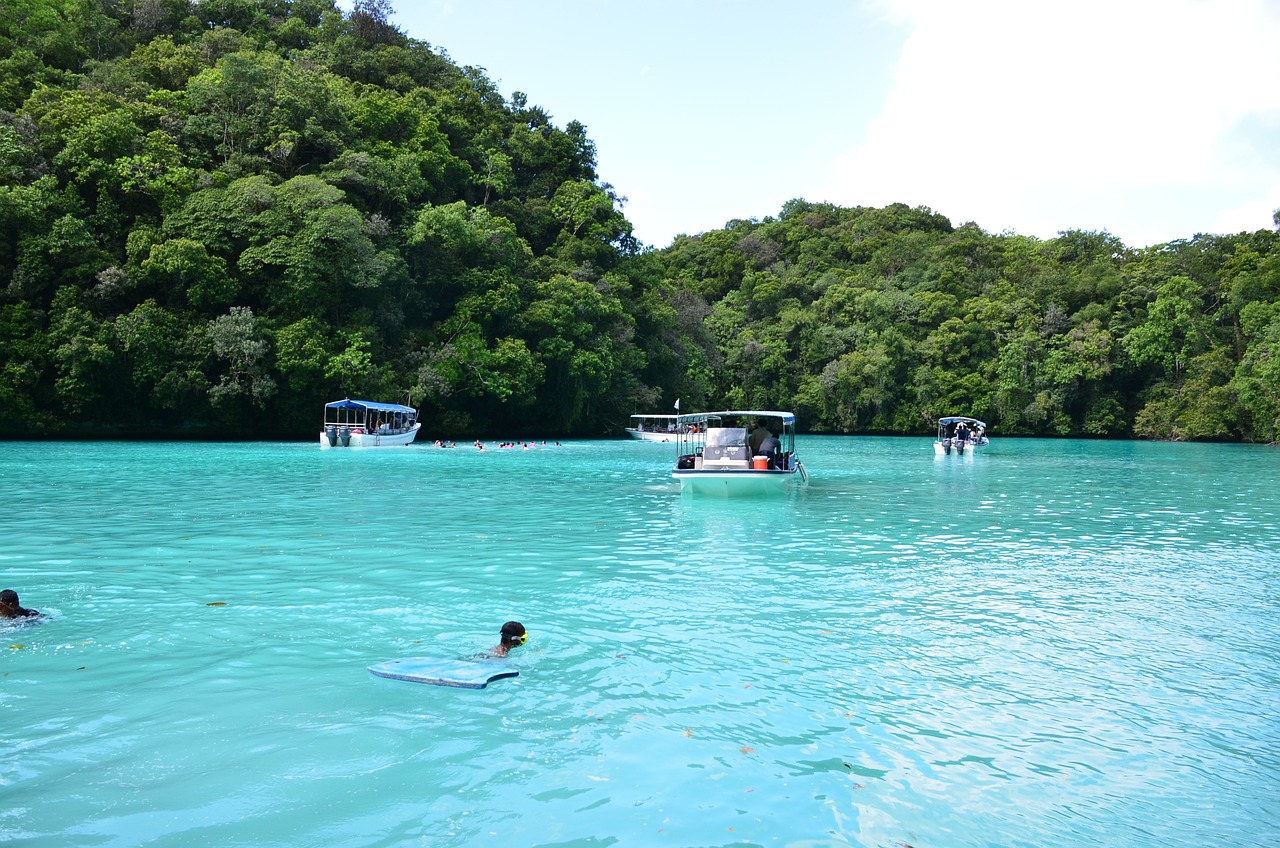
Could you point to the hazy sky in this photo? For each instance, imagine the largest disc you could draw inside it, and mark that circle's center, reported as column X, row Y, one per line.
column 1151, row 119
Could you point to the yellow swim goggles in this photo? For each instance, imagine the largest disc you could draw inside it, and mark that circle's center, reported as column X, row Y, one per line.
column 524, row 637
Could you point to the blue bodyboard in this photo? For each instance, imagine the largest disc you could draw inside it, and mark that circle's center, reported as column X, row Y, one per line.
column 459, row 673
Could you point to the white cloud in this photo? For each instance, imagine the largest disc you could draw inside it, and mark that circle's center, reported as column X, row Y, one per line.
column 1095, row 114
column 1254, row 215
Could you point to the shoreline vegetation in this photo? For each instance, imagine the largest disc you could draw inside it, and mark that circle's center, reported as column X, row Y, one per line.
column 217, row 216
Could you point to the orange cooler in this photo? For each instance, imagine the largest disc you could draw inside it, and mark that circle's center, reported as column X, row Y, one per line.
column 760, row 463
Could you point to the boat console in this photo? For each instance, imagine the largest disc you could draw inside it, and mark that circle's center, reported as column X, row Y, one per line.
column 726, row 447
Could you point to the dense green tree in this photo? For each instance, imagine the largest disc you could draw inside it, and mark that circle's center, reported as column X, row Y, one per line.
column 239, row 346
column 184, row 265
column 164, row 366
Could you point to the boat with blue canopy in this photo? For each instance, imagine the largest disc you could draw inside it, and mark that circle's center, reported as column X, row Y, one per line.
column 734, row 452
column 352, row 423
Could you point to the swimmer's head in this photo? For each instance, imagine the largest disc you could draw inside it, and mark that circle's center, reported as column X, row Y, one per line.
column 10, row 598
column 514, row 634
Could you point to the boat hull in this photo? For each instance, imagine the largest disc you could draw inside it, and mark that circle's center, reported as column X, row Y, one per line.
column 728, row 482
column 372, row 440
column 647, row 436
column 967, row 449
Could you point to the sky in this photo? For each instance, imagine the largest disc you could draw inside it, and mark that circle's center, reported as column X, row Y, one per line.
column 1153, row 120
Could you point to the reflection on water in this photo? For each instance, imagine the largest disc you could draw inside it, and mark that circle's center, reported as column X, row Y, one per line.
column 1050, row 643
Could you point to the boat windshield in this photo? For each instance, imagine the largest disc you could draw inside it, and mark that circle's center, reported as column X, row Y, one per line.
column 726, row 437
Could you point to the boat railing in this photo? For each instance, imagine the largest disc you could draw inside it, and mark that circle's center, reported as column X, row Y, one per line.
column 359, row 422
column 705, row 445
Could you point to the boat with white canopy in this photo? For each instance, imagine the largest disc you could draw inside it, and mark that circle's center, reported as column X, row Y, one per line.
column 653, row 428
column 352, row 423
column 734, row 452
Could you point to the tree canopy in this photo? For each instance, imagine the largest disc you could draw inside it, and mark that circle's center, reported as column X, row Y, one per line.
column 217, row 215
column 883, row 320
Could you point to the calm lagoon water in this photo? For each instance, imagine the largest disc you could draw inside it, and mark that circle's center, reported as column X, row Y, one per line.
column 1055, row 643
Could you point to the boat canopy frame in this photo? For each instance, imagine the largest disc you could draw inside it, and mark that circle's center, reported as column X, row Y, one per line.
column 349, row 412
column 648, row 422
column 692, row 427
column 946, row 425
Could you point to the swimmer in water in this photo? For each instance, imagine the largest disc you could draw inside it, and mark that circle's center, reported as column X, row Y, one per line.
column 513, row 636
column 9, row 607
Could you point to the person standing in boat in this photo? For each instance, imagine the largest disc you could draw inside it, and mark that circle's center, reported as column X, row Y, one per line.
column 758, row 435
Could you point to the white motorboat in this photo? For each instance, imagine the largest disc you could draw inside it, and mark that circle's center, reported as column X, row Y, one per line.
column 368, row 424
column 653, row 428
column 736, row 452
column 959, row 434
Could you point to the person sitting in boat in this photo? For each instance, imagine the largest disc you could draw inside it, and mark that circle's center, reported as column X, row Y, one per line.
column 962, row 432
column 10, row 608
column 513, row 635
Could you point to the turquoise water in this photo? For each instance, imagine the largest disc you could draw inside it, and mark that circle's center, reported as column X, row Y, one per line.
column 1055, row 643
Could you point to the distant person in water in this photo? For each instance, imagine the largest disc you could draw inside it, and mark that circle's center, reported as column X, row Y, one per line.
column 513, row 636
column 10, row 608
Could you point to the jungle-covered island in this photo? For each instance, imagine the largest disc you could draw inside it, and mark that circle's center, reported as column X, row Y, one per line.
column 218, row 215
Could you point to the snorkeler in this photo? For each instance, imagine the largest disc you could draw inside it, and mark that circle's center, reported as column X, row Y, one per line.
column 9, row 608
column 513, row 636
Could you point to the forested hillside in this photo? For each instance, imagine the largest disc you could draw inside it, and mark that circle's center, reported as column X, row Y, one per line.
column 219, row 215
column 881, row 320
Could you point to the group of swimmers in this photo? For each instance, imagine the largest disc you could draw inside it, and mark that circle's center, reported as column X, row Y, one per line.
column 479, row 445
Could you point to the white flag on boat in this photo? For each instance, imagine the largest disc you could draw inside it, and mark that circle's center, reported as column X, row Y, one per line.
column 677, row 404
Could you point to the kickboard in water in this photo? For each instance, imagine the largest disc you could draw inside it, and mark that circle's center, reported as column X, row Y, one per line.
column 460, row 673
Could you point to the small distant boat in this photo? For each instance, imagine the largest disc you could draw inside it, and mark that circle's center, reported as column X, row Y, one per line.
column 959, row 434
column 653, row 428
column 736, row 452
column 368, row 424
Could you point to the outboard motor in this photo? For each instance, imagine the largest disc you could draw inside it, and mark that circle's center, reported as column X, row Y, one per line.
column 344, row 436
column 331, row 433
